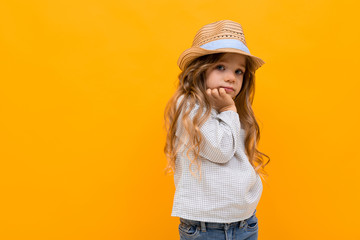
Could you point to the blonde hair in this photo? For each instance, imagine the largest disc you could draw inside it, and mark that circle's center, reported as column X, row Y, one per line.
column 192, row 85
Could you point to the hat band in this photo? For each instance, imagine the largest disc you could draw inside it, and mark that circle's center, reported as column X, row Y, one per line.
column 225, row 43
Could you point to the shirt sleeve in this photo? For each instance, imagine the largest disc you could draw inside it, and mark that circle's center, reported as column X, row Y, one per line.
column 221, row 135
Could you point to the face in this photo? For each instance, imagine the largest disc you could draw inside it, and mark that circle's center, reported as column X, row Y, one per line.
column 228, row 72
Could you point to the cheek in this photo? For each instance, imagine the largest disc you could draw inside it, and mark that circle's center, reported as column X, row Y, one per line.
column 212, row 80
column 210, row 83
column 239, row 85
column 241, row 81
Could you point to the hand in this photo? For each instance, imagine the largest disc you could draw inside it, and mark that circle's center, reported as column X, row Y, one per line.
column 220, row 100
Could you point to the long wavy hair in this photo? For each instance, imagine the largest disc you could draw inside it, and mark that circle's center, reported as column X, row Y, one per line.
column 192, row 85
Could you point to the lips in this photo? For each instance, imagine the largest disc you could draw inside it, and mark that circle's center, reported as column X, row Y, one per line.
column 228, row 88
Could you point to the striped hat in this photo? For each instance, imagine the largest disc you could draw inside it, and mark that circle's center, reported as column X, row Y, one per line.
column 217, row 37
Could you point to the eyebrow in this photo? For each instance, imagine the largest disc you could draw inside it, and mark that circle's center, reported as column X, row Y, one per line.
column 239, row 65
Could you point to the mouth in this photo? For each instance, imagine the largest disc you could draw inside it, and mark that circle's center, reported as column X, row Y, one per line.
column 228, row 89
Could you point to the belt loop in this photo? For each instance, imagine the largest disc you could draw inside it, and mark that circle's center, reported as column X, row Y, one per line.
column 203, row 227
column 242, row 224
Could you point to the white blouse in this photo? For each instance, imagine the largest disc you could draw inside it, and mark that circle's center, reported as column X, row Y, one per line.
column 229, row 189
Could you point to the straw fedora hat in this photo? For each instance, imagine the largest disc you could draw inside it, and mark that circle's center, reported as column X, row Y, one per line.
column 217, row 37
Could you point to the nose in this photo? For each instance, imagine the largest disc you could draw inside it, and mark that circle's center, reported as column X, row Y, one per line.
column 230, row 76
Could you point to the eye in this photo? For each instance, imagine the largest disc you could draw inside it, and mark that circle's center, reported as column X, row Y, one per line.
column 219, row 67
column 240, row 71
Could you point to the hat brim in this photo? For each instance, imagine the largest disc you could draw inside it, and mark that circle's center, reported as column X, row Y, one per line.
column 194, row 52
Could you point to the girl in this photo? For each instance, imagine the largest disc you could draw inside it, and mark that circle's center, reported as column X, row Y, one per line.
column 212, row 131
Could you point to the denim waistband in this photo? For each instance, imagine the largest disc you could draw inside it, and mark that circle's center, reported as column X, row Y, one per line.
column 217, row 225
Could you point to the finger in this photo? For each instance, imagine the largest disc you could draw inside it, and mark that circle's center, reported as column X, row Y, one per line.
column 208, row 93
column 222, row 92
column 215, row 93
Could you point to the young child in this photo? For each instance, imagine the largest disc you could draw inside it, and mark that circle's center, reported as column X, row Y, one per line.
column 212, row 130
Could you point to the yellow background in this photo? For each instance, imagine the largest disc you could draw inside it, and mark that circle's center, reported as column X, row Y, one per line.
column 83, row 89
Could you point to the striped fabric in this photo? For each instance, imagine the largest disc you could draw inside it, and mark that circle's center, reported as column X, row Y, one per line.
column 229, row 189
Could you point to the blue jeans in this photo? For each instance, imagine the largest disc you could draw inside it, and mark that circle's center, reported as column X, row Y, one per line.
column 242, row 230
